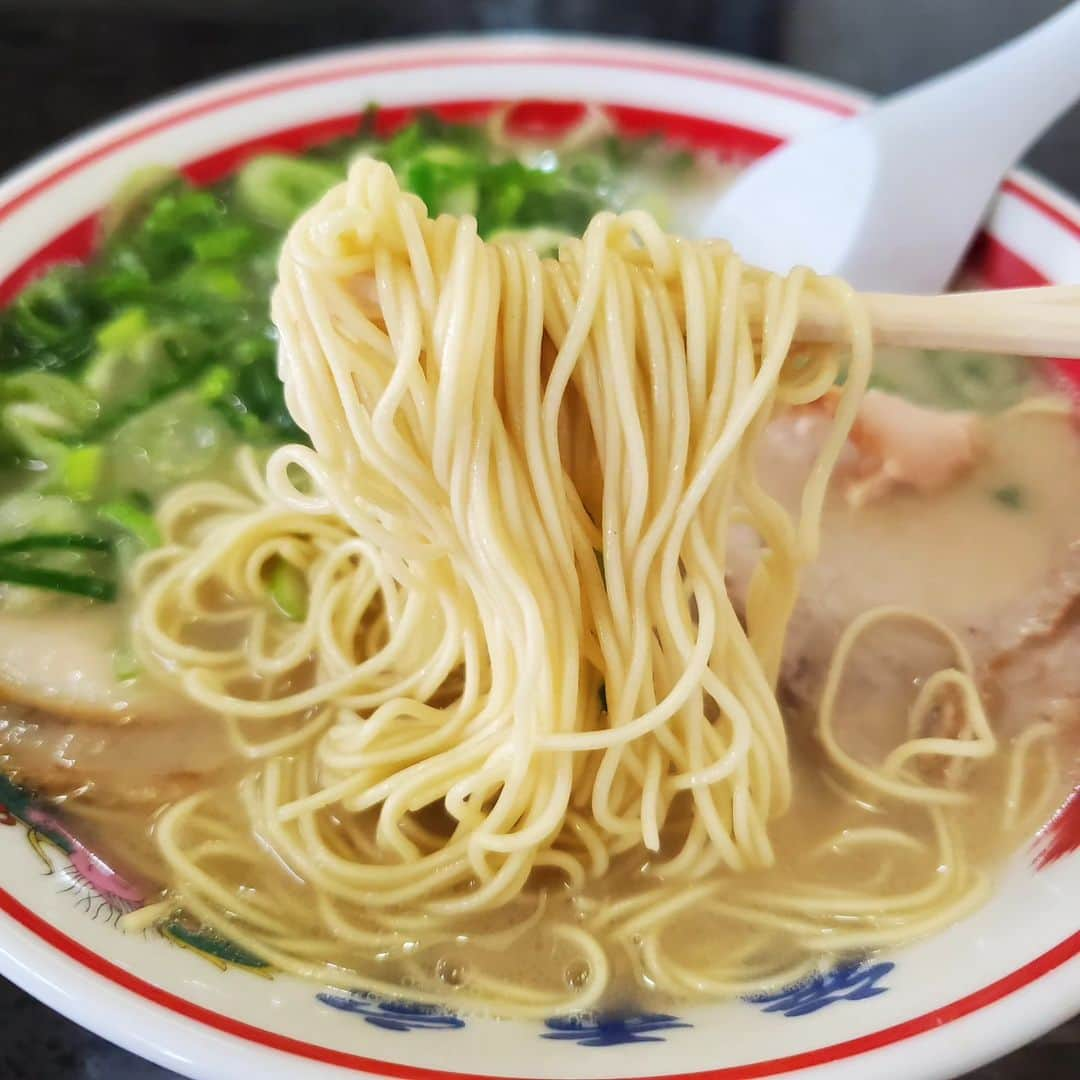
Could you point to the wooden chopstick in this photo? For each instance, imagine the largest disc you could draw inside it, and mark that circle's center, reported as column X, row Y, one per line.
column 1046, row 294
column 1042, row 321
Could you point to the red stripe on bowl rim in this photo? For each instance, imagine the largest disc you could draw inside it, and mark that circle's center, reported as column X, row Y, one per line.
column 76, row 242
column 731, row 74
column 1043, row 205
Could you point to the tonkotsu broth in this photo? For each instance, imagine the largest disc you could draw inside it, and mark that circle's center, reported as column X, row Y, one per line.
column 959, row 555
column 810, row 856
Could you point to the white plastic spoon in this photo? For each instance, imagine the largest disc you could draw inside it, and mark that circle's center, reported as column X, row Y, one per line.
column 890, row 198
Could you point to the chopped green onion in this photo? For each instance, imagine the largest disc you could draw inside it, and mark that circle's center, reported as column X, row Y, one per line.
column 1011, row 496
column 82, row 471
column 94, row 588
column 212, row 281
column 130, row 517
column 50, row 309
column 460, row 200
column 985, row 383
column 124, row 330
column 15, row 570
column 42, row 411
column 126, row 664
column 679, row 163
column 450, row 156
column 276, row 188
column 133, row 195
column 56, row 542
column 288, row 589
column 225, row 243
column 216, row 383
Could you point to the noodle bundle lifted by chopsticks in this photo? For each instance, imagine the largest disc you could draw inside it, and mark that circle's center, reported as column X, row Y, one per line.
column 509, row 655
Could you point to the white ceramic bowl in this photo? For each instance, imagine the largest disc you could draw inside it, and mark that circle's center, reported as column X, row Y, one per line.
column 935, row 1009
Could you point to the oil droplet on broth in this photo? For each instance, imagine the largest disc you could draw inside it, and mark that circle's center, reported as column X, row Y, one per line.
column 450, row 972
column 577, row 976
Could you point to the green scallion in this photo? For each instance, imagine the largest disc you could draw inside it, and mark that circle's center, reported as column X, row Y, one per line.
column 94, row 588
column 56, row 542
column 288, row 589
column 1010, row 496
column 132, row 519
column 81, row 468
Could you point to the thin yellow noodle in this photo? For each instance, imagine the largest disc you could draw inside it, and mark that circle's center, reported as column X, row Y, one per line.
column 1013, row 810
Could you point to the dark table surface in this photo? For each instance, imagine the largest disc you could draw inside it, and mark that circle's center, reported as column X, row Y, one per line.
column 68, row 63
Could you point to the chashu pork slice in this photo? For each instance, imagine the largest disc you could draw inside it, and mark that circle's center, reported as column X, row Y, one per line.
column 139, row 762
column 986, row 542
column 68, row 725
column 64, row 663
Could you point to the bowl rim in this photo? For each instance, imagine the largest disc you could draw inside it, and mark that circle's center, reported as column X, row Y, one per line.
column 162, row 1027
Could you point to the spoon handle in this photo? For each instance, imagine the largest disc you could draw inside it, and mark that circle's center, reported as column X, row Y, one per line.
column 998, row 104
column 890, row 198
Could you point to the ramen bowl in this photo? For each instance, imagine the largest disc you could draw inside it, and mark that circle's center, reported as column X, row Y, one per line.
column 192, row 1002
